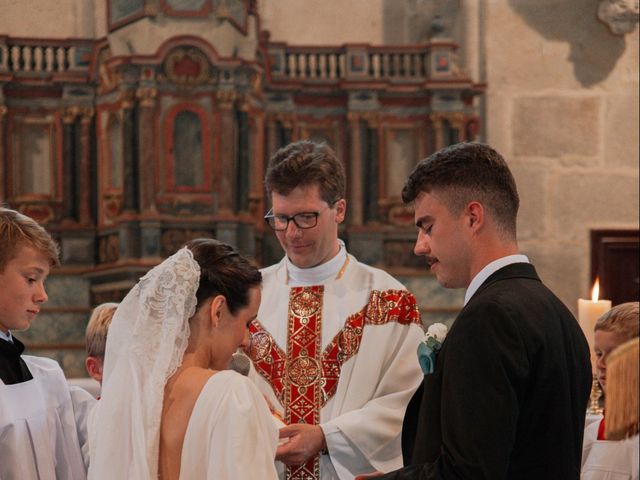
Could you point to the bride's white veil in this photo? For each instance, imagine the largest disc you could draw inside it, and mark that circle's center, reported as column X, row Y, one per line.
column 145, row 345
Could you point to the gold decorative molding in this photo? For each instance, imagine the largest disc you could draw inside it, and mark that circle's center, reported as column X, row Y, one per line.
column 372, row 118
column 244, row 103
column 457, row 119
column 127, row 99
column 147, row 96
column 86, row 114
column 69, row 114
column 226, row 98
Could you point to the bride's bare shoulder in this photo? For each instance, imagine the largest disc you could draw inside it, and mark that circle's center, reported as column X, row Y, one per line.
column 186, row 384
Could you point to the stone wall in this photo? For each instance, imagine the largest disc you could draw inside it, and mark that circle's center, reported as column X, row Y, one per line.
column 562, row 107
column 47, row 19
column 323, row 22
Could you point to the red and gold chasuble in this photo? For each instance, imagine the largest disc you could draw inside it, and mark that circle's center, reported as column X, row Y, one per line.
column 305, row 378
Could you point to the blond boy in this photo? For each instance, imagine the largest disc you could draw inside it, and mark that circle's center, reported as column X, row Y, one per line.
column 41, row 419
column 611, row 330
column 602, row 458
column 96, row 338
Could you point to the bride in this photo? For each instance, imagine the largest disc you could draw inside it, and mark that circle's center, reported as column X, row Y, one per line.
column 170, row 408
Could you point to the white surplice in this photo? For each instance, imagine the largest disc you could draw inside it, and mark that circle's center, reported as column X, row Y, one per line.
column 607, row 459
column 231, row 434
column 362, row 421
column 42, row 425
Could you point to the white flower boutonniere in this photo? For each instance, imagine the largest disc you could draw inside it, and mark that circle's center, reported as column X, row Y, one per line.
column 430, row 345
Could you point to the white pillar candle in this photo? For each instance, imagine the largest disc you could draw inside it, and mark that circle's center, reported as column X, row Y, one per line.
column 588, row 312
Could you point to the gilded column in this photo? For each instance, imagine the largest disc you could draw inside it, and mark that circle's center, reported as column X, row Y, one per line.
column 3, row 163
column 70, row 198
column 146, row 135
column 457, row 122
column 227, row 161
column 257, row 207
column 272, row 136
column 129, row 167
column 243, row 163
column 436, row 121
column 84, row 167
column 355, row 173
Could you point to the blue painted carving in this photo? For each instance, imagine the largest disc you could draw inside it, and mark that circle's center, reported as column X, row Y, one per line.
column 120, row 10
column 186, row 5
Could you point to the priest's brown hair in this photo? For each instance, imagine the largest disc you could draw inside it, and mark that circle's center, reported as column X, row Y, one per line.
column 306, row 163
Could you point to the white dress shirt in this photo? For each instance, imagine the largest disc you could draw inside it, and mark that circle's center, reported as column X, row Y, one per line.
column 490, row 269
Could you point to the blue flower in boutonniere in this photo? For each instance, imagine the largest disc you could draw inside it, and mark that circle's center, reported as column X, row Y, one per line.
column 429, row 346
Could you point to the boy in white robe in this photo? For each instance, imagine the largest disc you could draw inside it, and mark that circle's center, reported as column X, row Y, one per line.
column 334, row 345
column 602, row 458
column 40, row 418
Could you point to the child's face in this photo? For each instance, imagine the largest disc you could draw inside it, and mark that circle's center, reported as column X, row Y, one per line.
column 603, row 343
column 22, row 289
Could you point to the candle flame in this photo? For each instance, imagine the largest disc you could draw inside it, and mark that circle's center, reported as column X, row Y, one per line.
column 595, row 291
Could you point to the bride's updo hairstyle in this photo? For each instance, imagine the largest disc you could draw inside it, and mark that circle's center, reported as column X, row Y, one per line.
column 223, row 271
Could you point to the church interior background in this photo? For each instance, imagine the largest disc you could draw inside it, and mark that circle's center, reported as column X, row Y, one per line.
column 130, row 126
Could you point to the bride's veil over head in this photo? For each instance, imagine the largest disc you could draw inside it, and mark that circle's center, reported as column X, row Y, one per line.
column 145, row 345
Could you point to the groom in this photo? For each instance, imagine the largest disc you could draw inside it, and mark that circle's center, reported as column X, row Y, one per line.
column 508, row 395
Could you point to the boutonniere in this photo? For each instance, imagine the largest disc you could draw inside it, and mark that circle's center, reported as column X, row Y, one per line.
column 430, row 345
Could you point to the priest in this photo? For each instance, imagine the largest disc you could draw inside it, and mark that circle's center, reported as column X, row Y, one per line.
column 334, row 344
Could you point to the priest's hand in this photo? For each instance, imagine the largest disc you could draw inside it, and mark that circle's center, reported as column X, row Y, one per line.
column 305, row 441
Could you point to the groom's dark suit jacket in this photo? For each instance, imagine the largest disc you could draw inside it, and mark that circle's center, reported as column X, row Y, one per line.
column 508, row 396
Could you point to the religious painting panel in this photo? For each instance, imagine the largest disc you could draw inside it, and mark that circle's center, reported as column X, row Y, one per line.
column 34, row 176
column 188, row 158
column 35, row 158
column 110, row 163
column 401, row 155
column 403, row 147
column 187, row 150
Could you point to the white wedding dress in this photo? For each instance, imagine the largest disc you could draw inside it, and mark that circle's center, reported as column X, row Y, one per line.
column 231, row 434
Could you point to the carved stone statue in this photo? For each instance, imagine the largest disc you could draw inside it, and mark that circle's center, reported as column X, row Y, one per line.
column 620, row 15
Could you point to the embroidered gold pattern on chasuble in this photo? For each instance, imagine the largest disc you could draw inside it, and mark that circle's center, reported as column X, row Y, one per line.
column 304, row 378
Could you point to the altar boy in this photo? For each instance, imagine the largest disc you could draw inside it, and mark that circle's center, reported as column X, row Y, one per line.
column 40, row 424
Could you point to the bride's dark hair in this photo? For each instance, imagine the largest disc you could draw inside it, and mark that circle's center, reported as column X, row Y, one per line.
column 223, row 271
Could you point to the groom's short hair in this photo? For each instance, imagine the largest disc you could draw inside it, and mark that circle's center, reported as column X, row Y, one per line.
column 467, row 172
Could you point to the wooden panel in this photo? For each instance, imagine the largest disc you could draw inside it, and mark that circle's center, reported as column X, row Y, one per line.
column 615, row 259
